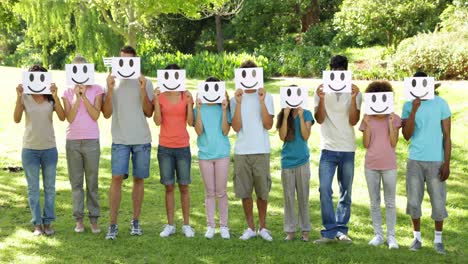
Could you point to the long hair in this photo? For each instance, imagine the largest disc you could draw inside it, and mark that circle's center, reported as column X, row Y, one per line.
column 40, row 68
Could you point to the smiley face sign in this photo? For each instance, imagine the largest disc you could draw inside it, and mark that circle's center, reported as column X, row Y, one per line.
column 379, row 103
column 126, row 67
column 211, row 92
column 82, row 73
column 171, row 80
column 337, row 81
column 248, row 78
column 37, row 82
column 419, row 87
column 294, row 97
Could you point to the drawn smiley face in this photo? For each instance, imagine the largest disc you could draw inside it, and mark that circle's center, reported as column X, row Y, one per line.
column 211, row 92
column 293, row 97
column 82, row 73
column 337, row 81
column 36, row 82
column 419, row 87
column 171, row 80
column 249, row 78
column 126, row 67
column 379, row 103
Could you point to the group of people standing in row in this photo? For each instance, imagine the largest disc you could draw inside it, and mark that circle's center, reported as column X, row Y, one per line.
column 250, row 113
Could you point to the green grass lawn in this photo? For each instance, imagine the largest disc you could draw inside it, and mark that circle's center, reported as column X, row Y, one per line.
column 17, row 245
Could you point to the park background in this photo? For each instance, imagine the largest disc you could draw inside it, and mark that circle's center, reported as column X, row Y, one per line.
column 293, row 40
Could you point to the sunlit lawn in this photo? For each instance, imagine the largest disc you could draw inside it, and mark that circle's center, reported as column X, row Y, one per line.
column 17, row 245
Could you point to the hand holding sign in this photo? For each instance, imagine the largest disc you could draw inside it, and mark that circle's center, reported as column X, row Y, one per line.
column 248, row 78
column 171, row 80
column 126, row 67
column 37, row 82
column 337, row 81
column 294, row 97
column 379, row 103
column 211, row 92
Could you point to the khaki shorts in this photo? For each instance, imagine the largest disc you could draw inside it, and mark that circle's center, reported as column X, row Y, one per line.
column 252, row 171
column 418, row 174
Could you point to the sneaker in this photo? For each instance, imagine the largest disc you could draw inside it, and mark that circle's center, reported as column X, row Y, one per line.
column 439, row 248
column 248, row 234
column 324, row 240
column 167, row 231
column 95, row 228
column 392, row 243
column 265, row 234
column 112, row 232
column 344, row 239
column 38, row 230
column 415, row 245
column 48, row 231
column 376, row 241
column 188, row 231
column 210, row 231
column 224, row 231
column 79, row 228
column 135, row 228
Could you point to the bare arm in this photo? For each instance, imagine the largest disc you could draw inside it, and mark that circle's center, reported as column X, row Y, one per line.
column 393, row 132
column 198, row 120
column 189, row 108
column 354, row 113
column 408, row 124
column 57, row 105
column 145, row 102
column 157, row 108
column 305, row 126
column 237, row 117
column 70, row 111
column 267, row 119
column 446, row 131
column 93, row 110
column 19, row 107
column 107, row 105
column 366, row 133
column 320, row 111
column 283, row 131
column 224, row 122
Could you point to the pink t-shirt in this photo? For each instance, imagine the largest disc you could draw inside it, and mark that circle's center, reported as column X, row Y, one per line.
column 83, row 126
column 380, row 154
column 173, row 133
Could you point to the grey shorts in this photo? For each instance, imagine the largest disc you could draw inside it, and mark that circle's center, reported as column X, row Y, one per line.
column 418, row 173
column 252, row 171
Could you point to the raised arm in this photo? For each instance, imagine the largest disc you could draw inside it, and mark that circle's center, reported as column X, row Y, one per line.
column 157, row 107
column 19, row 107
column 107, row 105
column 393, row 131
column 145, row 102
column 283, row 130
column 408, row 124
column 237, row 117
column 305, row 126
column 57, row 105
column 224, row 121
column 366, row 133
column 267, row 119
column 71, row 110
column 319, row 110
column 354, row 112
column 198, row 120
column 446, row 131
column 189, row 108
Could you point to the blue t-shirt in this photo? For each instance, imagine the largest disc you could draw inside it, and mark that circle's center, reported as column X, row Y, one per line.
column 252, row 138
column 296, row 152
column 212, row 143
column 427, row 140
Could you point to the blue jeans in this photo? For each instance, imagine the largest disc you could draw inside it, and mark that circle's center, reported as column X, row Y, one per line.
column 33, row 160
column 174, row 163
column 335, row 223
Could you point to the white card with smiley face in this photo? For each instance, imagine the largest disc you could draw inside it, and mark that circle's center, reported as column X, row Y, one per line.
column 419, row 87
column 211, row 92
column 80, row 73
column 379, row 103
column 337, row 81
column 294, row 97
column 126, row 67
column 248, row 78
column 37, row 82
column 171, row 80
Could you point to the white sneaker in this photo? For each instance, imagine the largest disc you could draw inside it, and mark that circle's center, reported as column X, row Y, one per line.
column 392, row 242
column 224, row 231
column 167, row 231
column 248, row 234
column 265, row 234
column 188, row 231
column 210, row 231
column 376, row 241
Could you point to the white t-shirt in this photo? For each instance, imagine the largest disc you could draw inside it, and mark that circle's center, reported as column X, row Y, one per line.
column 252, row 138
column 336, row 133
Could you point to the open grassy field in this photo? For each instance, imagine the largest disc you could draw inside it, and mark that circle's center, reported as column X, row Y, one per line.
column 17, row 245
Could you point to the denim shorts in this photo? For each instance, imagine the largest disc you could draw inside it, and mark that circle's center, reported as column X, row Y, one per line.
column 141, row 156
column 174, row 162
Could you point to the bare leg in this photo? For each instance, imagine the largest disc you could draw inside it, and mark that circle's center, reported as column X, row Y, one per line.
column 416, row 224
column 137, row 196
column 185, row 201
column 115, row 194
column 439, row 225
column 247, row 204
column 170, row 204
column 262, row 206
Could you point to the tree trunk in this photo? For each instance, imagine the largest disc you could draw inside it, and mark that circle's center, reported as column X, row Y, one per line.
column 219, row 34
column 311, row 16
column 131, row 31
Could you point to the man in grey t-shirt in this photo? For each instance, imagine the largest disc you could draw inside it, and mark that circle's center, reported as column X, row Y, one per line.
column 129, row 102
